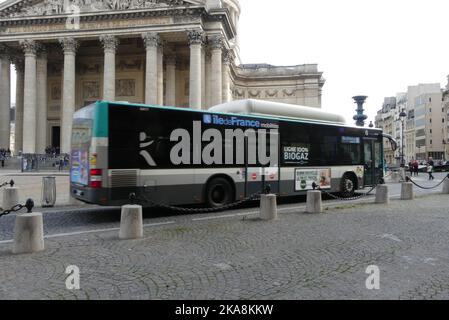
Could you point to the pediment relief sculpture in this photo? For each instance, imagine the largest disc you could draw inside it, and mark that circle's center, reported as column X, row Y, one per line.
column 55, row 7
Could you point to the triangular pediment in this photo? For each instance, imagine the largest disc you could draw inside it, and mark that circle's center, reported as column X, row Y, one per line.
column 30, row 8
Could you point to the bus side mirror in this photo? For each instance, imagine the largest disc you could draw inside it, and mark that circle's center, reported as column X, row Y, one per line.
column 394, row 145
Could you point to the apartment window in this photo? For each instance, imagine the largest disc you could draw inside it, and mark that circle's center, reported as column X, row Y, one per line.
column 430, row 99
column 430, row 141
column 442, row 120
column 430, row 131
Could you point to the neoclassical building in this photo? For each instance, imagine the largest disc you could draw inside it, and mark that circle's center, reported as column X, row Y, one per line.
column 184, row 53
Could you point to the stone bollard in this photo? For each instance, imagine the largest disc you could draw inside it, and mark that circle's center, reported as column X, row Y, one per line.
column 28, row 233
column 446, row 186
column 382, row 194
column 131, row 222
column 268, row 207
column 407, row 191
column 10, row 197
column 314, row 203
column 402, row 174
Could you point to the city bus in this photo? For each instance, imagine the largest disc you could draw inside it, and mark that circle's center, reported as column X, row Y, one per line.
column 181, row 156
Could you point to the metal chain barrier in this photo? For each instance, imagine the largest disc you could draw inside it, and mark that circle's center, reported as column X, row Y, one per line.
column 252, row 197
column 29, row 205
column 409, row 179
column 10, row 183
column 389, row 175
column 316, row 187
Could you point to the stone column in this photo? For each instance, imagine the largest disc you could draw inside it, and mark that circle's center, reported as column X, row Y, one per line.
column 41, row 99
column 196, row 39
column 216, row 45
column 29, row 98
column 110, row 44
column 160, row 75
column 203, row 78
column 152, row 42
column 208, row 78
column 5, row 97
column 69, row 46
column 170, row 98
column 227, row 60
column 18, row 127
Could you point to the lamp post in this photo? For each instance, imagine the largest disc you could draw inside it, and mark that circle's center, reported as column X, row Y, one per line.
column 402, row 116
column 444, row 155
column 360, row 117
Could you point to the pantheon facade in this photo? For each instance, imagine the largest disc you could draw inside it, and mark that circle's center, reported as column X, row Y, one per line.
column 184, row 53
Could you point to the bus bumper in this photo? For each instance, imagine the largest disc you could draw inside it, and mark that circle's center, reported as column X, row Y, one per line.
column 89, row 195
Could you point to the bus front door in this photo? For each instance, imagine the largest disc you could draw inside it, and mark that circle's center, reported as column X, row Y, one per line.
column 373, row 161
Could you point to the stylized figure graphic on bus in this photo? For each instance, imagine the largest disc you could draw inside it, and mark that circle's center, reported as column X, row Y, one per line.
column 144, row 153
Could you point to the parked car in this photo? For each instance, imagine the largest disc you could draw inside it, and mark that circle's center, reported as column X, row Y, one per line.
column 442, row 168
column 421, row 168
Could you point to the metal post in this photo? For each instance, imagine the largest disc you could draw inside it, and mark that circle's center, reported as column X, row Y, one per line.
column 402, row 145
column 402, row 116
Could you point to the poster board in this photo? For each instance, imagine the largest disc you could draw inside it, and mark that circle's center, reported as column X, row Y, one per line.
column 304, row 178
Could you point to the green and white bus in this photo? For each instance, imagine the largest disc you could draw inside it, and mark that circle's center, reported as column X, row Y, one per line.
column 179, row 156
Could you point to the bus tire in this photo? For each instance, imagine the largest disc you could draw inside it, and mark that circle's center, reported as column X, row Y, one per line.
column 348, row 185
column 219, row 192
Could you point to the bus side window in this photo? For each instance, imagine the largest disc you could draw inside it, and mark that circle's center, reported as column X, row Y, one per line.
column 350, row 153
column 328, row 150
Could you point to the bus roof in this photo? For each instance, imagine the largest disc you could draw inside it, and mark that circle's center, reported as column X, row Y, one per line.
column 262, row 116
column 277, row 109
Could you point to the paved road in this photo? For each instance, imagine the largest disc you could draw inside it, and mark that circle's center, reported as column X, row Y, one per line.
column 234, row 255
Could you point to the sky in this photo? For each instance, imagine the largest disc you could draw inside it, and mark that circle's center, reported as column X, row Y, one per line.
column 363, row 47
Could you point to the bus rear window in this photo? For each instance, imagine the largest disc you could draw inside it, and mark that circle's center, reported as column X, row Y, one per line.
column 81, row 139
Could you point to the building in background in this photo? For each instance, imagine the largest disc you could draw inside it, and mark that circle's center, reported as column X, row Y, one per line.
column 182, row 53
column 424, row 127
column 385, row 119
column 446, row 127
column 400, row 125
column 425, row 123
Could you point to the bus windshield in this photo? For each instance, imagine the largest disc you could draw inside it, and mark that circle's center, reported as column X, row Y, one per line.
column 81, row 140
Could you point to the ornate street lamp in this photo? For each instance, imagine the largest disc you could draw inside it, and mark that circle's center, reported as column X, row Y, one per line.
column 402, row 116
column 360, row 117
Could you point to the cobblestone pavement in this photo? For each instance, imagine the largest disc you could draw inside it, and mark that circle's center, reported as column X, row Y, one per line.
column 234, row 255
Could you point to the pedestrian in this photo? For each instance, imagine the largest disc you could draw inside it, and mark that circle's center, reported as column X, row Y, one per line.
column 430, row 165
column 410, row 167
column 416, row 167
column 61, row 163
column 2, row 159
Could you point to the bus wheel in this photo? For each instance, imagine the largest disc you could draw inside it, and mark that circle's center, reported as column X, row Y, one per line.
column 347, row 186
column 218, row 193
